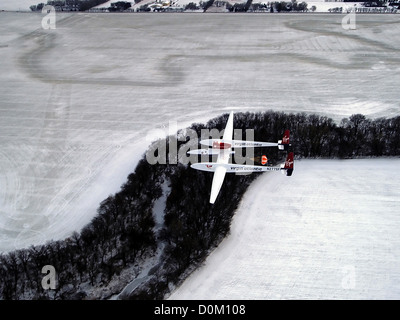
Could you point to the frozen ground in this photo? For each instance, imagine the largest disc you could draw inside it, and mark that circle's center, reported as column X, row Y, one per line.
column 328, row 232
column 77, row 102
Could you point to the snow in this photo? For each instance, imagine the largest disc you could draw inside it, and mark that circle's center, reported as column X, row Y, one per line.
column 328, row 232
column 77, row 102
column 18, row 5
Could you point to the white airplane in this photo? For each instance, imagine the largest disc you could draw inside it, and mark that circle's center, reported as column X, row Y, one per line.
column 223, row 148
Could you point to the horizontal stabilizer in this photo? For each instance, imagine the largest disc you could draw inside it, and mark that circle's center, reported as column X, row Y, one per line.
column 218, row 179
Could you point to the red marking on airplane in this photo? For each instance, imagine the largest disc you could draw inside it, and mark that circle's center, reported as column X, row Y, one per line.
column 221, row 145
column 285, row 139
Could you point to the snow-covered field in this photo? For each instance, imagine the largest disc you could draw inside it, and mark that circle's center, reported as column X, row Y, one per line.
column 77, row 103
column 18, row 5
column 328, row 232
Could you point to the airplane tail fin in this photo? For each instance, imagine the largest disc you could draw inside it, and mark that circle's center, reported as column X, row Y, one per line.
column 289, row 164
column 285, row 142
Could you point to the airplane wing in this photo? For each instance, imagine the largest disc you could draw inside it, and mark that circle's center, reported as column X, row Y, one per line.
column 218, row 179
column 222, row 160
column 228, row 133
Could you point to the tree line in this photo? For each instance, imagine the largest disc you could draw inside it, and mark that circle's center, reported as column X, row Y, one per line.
column 69, row 5
column 273, row 6
column 118, row 237
column 122, row 236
